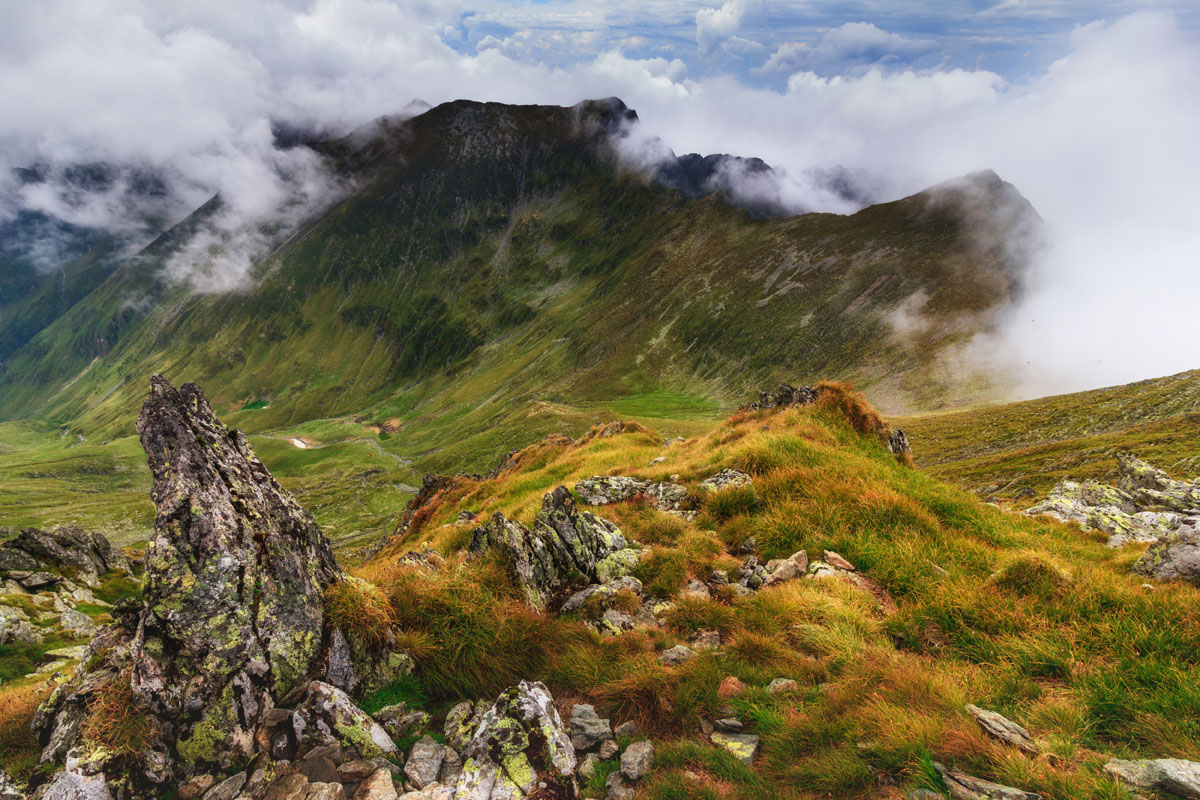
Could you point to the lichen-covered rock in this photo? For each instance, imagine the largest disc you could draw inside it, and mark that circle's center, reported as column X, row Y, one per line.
column 9, row 789
column 786, row 395
column 462, row 721
column 637, row 760
column 327, row 716
column 674, row 656
column 87, row 554
column 1175, row 556
column 743, row 745
column 521, row 745
column 726, row 479
column 16, row 627
column 566, row 548
column 604, row 490
column 667, row 496
column 1152, row 488
column 1173, row 775
column 966, row 787
column 588, row 729
column 1002, row 728
column 400, row 721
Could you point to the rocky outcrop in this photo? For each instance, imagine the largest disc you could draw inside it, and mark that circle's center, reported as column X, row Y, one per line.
column 1171, row 775
column 1145, row 505
column 966, row 787
column 231, row 621
column 521, row 749
column 1175, row 556
column 87, row 555
column 783, row 397
column 565, row 549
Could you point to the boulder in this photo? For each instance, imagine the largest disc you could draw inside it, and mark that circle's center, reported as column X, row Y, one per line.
column 743, row 745
column 966, row 787
column 588, row 729
column 292, row 786
column 667, row 496
column 1000, row 727
column 89, row 554
column 16, row 627
column 566, row 548
column 1172, row 775
column 451, row 767
column 725, row 479
column 1153, row 489
column 605, row 490
column 227, row 789
column 637, row 760
column 424, row 762
column 1176, row 556
column 521, row 744
column 231, row 617
column 327, row 716
column 400, row 722
column 462, row 721
column 377, row 786
column 674, row 656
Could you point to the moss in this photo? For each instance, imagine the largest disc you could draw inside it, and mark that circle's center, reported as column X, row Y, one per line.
column 359, row 739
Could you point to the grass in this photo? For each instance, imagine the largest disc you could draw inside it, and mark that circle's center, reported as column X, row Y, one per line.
column 1034, row 619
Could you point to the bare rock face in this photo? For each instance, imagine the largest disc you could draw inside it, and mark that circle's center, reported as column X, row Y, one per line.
column 521, row 749
column 67, row 546
column 564, row 549
column 231, row 618
column 1171, row 775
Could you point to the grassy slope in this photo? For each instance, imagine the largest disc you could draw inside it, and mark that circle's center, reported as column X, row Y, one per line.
column 1036, row 443
column 1039, row 621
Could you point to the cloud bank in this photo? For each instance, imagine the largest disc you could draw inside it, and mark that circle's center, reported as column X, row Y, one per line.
column 1101, row 139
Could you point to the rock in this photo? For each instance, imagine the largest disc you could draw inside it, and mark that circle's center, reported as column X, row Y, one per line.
column 563, row 544
column 922, row 794
column 719, row 577
column 729, row 725
column 588, row 729
column 73, row 653
column 726, row 479
column 706, row 640
column 424, row 762
column 618, row 565
column 355, row 771
column 235, row 574
column 292, row 786
column 196, row 787
column 605, row 490
column 88, row 554
column 320, row 770
column 462, row 721
column 1153, row 489
column 608, row 749
column 666, row 496
column 520, row 744
column 377, row 786
column 1176, row 556
column 613, row 622
column 451, row 767
column 696, row 589
column 331, row 751
column 227, row 789
column 587, row 766
column 783, row 397
column 637, row 760
column 76, row 623
column 837, row 561
column 742, row 745
column 782, row 686
column 785, row 570
column 1172, row 775
column 580, row 598
column 999, row 727
column 730, row 687
column 16, row 627
column 629, row 727
column 71, row 784
column 40, row 581
column 966, row 787
column 327, row 716
column 618, row 787
column 897, row 442
column 674, row 656
column 325, row 791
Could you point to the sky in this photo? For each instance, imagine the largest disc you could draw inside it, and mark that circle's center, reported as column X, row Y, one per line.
column 1091, row 109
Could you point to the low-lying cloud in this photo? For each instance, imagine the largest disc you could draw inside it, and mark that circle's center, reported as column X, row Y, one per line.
column 1102, row 142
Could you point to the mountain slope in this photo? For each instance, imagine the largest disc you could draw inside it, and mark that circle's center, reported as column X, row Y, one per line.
column 494, row 258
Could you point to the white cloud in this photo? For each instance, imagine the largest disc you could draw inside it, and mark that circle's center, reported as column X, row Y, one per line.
column 847, row 45
column 716, row 25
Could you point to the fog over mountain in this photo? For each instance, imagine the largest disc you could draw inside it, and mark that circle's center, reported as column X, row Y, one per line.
column 1096, row 125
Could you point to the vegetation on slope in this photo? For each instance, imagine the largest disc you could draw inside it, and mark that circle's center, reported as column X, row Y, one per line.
column 1037, row 620
column 1007, row 450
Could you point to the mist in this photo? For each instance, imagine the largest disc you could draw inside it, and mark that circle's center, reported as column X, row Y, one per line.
column 1101, row 141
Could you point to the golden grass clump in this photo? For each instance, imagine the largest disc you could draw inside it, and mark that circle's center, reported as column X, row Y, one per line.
column 115, row 720
column 361, row 610
column 19, row 749
column 851, row 404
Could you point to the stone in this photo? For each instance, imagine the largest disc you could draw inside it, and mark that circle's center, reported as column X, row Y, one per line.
column 674, row 656
column 922, row 794
column 462, row 721
column 16, row 627
column 608, row 749
column 782, row 686
column 451, row 767
column 227, row 789
column 376, row 786
column 667, row 496
column 730, row 687
column 785, row 570
column 9, row 789
column 719, row 577
column 563, row 546
column 967, row 787
column 233, row 591
column 729, row 725
column 605, row 490
column 76, row 623
column 587, row 765
column 637, row 760
column 743, row 745
column 71, row 653
column 196, row 787
column 40, row 581
column 320, row 770
column 1176, row 556
column 588, row 729
column 706, row 640
column 837, row 561
column 88, row 554
column 328, row 716
column 521, row 743
column 424, row 762
column 355, row 771
column 725, row 479
column 71, row 784
column 292, row 786
column 618, row 787
column 628, row 727
column 325, row 791
column 331, row 751
column 696, row 589
column 1173, row 775
column 577, row 601
column 1000, row 727
column 613, row 622
column 783, row 397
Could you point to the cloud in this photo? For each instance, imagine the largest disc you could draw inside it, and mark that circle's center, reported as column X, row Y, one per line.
column 1100, row 137
column 717, row 25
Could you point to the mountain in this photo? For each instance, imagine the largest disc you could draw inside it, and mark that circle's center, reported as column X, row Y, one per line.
column 488, row 260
